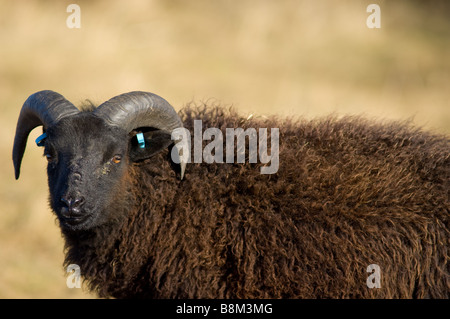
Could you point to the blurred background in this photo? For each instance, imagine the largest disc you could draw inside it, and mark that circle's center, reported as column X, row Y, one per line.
column 294, row 58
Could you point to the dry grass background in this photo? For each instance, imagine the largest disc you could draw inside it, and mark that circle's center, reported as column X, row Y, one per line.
column 295, row 58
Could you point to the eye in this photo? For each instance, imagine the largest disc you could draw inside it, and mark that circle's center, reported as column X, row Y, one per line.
column 49, row 156
column 116, row 159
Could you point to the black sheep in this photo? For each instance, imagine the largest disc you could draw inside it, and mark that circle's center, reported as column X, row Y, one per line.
column 348, row 193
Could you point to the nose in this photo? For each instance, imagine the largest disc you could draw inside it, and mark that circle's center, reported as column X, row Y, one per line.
column 72, row 204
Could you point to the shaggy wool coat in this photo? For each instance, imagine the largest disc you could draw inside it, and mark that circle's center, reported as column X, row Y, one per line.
column 349, row 193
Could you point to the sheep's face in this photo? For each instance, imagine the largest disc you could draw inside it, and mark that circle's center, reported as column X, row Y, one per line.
column 89, row 151
column 87, row 168
column 87, row 162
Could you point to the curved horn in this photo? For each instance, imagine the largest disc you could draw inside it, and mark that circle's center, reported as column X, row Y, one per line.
column 41, row 108
column 140, row 109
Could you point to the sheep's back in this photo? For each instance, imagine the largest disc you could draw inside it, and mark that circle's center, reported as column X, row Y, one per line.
column 348, row 193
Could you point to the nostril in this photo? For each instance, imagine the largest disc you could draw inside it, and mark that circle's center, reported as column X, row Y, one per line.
column 67, row 202
column 78, row 201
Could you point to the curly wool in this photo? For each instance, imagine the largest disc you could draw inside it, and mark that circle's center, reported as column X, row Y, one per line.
column 348, row 193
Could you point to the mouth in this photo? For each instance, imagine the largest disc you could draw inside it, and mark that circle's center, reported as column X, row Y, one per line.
column 74, row 221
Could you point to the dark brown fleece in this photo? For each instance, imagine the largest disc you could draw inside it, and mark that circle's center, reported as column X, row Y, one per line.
column 348, row 193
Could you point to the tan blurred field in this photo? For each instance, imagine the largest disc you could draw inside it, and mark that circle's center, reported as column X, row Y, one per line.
column 294, row 58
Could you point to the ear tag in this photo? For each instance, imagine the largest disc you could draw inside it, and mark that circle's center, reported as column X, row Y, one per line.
column 141, row 140
column 40, row 140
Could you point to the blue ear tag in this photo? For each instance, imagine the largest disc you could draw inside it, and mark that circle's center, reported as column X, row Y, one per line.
column 40, row 140
column 141, row 140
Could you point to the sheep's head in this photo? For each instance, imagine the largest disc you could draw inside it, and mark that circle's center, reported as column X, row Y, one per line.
column 88, row 153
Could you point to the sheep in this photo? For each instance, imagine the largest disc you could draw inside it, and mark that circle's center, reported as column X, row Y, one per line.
column 349, row 193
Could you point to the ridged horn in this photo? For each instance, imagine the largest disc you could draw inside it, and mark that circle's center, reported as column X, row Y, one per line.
column 140, row 109
column 41, row 108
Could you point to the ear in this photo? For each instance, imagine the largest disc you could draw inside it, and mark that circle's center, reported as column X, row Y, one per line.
column 155, row 142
